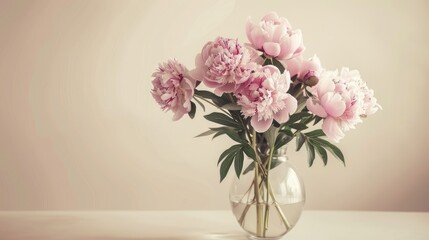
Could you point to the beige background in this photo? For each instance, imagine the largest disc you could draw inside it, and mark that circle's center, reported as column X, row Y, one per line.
column 80, row 130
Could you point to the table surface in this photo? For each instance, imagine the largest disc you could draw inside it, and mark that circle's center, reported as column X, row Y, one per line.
column 205, row 225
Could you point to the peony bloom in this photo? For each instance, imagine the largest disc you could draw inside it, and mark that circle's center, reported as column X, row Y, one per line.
column 265, row 98
column 341, row 99
column 173, row 89
column 274, row 36
column 304, row 70
column 354, row 83
column 222, row 65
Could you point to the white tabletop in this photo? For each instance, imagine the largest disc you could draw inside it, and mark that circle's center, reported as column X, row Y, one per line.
column 181, row 225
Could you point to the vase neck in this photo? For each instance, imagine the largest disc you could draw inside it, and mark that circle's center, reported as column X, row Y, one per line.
column 281, row 151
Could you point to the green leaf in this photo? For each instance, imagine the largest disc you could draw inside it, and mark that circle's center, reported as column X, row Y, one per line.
column 274, row 163
column 295, row 88
column 317, row 120
column 302, row 101
column 206, row 133
column 233, row 135
column 297, row 116
column 310, row 153
column 276, row 124
column 298, row 126
column 279, row 65
column 249, row 168
column 219, row 101
column 200, row 103
column 248, row 150
column 267, row 62
column 218, row 134
column 322, row 154
column 205, row 94
column 282, row 139
column 236, row 115
column 271, row 135
column 232, row 107
column 242, row 135
column 315, row 133
column 300, row 139
column 225, row 166
column 288, row 132
column 233, row 149
column 331, row 148
column 223, row 119
column 193, row 110
column 307, row 120
column 223, row 155
column 238, row 163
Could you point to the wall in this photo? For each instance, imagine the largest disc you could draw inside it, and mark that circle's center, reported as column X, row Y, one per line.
column 80, row 130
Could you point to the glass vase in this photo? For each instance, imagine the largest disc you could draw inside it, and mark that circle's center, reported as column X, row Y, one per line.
column 267, row 206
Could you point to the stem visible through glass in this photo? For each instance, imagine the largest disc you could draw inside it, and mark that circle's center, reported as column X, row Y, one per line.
column 256, row 190
column 262, row 218
column 267, row 181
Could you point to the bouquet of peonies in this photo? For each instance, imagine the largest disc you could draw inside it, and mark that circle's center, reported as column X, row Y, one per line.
column 266, row 86
column 266, row 94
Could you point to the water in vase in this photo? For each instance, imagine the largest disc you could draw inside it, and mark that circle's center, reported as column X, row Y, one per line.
column 280, row 218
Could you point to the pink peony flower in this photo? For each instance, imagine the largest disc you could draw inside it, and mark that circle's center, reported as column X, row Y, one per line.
column 341, row 99
column 303, row 69
column 264, row 98
column 274, row 36
column 222, row 65
column 173, row 89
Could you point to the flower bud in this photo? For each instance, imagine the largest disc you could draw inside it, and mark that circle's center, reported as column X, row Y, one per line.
column 311, row 81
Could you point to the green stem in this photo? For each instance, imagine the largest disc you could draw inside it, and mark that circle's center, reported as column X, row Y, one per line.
column 257, row 193
column 262, row 219
column 248, row 204
column 279, row 210
column 268, row 186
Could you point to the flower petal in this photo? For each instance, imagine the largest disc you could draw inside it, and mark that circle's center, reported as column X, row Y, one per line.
column 299, row 47
column 293, row 65
column 271, row 68
column 260, row 125
column 333, row 104
column 271, row 48
column 315, row 107
column 227, row 88
column 257, row 38
column 285, row 52
column 332, row 129
column 279, row 32
column 291, row 105
column 178, row 115
column 249, row 28
column 271, row 17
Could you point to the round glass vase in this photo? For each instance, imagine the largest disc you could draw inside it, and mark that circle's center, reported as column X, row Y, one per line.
column 271, row 209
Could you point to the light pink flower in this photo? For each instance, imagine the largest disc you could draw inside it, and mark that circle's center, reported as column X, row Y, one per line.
column 352, row 80
column 302, row 68
column 264, row 98
column 173, row 88
column 274, row 36
column 222, row 65
column 341, row 99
